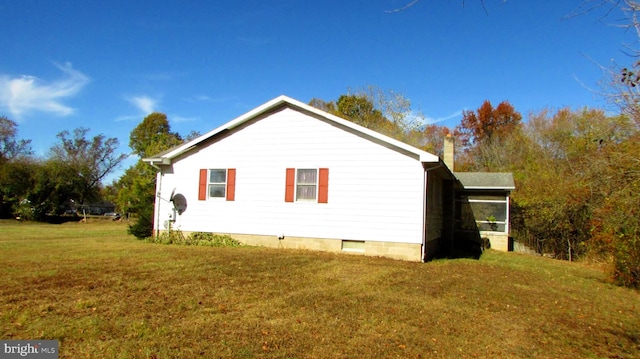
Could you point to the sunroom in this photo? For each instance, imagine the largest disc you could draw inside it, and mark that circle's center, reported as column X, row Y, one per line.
column 482, row 208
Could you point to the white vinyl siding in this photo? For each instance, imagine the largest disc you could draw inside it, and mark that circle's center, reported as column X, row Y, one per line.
column 375, row 193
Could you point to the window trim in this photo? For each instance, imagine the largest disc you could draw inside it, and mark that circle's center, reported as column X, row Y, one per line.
column 223, row 184
column 464, row 197
column 299, row 184
column 504, row 201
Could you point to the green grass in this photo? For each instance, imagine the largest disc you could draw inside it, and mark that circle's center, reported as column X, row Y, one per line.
column 104, row 294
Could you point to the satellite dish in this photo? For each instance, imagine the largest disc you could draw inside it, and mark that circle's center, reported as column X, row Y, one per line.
column 179, row 202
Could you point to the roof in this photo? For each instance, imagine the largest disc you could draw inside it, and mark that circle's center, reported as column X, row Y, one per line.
column 165, row 158
column 486, row 180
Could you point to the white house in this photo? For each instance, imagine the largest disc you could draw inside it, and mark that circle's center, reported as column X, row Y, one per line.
column 289, row 175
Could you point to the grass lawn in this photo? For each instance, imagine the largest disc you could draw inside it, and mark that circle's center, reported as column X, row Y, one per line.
column 104, row 294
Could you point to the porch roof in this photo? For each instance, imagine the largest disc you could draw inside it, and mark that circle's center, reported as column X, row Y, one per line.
column 486, row 180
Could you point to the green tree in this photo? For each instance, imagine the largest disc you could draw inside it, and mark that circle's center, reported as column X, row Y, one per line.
column 10, row 147
column 14, row 163
column 81, row 164
column 153, row 135
column 16, row 183
column 564, row 169
column 136, row 195
column 386, row 112
column 136, row 188
column 616, row 219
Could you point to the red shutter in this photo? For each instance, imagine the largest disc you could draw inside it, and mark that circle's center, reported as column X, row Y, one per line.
column 202, row 187
column 231, row 184
column 290, row 185
column 323, row 185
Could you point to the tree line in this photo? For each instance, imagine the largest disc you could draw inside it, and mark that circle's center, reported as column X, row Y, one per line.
column 577, row 172
column 71, row 175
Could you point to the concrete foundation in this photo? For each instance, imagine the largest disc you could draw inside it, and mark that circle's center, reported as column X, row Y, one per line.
column 402, row 251
column 498, row 241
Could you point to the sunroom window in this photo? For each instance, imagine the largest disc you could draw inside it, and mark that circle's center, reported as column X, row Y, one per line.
column 489, row 211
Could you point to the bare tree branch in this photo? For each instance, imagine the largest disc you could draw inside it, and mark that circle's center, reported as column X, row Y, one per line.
column 413, row 2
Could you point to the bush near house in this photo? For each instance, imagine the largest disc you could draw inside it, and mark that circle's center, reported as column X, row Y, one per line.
column 194, row 239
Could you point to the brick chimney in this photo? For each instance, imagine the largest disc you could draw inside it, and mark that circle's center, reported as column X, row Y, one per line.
column 448, row 151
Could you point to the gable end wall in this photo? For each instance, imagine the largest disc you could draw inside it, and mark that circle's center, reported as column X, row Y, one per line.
column 374, row 193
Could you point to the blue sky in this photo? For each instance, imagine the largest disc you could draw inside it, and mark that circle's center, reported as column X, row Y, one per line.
column 105, row 65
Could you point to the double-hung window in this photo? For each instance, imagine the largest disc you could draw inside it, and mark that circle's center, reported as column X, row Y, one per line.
column 217, row 183
column 307, row 185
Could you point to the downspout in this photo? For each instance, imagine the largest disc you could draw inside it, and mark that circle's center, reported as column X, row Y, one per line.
column 424, row 207
column 424, row 215
column 156, row 225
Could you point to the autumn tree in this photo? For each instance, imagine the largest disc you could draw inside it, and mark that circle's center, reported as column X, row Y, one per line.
column 432, row 138
column 566, row 172
column 486, row 127
column 616, row 219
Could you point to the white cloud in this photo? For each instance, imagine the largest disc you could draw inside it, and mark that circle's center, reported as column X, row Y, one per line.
column 432, row 120
column 25, row 94
column 178, row 118
column 145, row 104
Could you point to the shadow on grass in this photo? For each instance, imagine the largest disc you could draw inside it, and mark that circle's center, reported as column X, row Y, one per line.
column 465, row 248
column 61, row 219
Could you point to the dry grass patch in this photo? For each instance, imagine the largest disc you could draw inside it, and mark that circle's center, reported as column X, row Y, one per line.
column 104, row 294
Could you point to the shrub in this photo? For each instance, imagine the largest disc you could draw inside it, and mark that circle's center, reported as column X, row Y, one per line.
column 194, row 239
column 214, row 240
column 143, row 227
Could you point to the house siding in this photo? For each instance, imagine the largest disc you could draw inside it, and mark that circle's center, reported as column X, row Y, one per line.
column 374, row 193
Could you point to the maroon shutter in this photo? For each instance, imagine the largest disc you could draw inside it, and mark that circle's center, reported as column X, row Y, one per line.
column 323, row 185
column 202, row 186
column 290, row 185
column 231, row 184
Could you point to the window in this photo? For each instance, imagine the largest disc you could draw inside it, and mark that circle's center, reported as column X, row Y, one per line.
column 484, row 211
column 307, row 185
column 353, row 246
column 217, row 183
column 490, row 214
